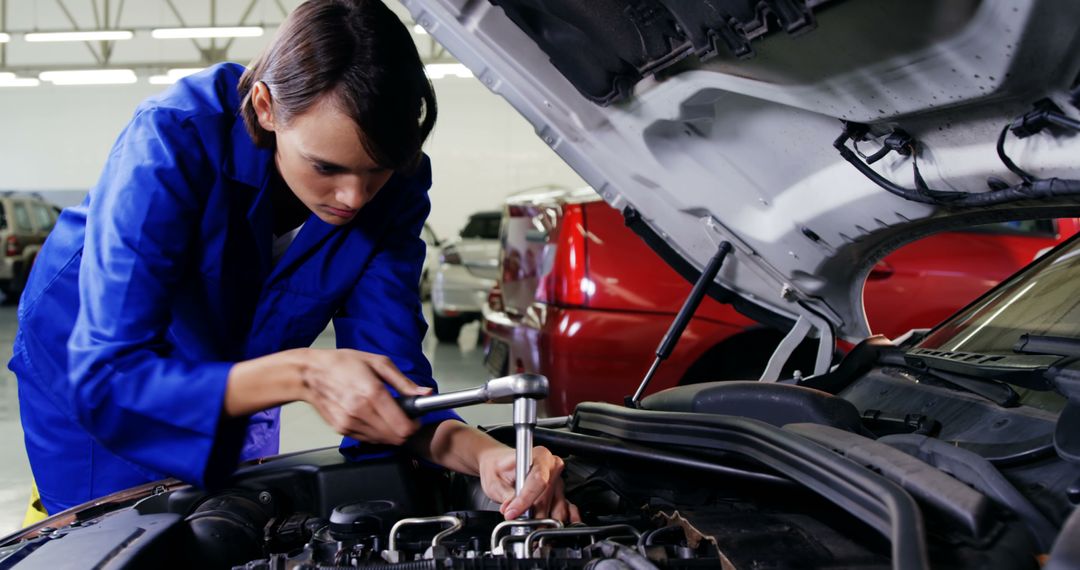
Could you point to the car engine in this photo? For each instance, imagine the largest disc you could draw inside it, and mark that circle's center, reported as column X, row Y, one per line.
column 655, row 489
column 371, row 535
column 321, row 510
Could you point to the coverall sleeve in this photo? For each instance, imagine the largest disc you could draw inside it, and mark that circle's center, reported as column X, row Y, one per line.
column 383, row 313
column 161, row 412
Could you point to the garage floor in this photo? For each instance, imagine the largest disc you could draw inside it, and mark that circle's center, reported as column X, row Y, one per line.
column 456, row 367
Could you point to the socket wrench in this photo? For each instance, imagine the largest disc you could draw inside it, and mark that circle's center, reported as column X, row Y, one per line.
column 523, row 390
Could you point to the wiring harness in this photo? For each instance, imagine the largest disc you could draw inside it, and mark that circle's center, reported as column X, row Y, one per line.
column 1045, row 115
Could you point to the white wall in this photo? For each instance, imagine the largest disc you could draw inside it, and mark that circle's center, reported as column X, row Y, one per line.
column 481, row 151
column 57, row 138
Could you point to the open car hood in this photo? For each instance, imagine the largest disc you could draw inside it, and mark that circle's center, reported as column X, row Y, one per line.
column 720, row 120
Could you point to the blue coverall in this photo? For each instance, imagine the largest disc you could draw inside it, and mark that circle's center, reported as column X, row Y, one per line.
column 144, row 296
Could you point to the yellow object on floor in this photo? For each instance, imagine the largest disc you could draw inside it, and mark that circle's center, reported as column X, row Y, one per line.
column 35, row 512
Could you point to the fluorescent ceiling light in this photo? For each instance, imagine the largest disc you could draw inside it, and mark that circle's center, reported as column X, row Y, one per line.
column 88, row 36
column 19, row 82
column 441, row 70
column 418, row 29
column 185, row 33
column 8, row 79
column 173, row 75
column 4, row 38
column 89, row 77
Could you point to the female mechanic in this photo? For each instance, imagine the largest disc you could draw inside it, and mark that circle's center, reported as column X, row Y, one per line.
column 169, row 315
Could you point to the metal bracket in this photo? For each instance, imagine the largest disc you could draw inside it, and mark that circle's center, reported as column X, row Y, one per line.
column 806, row 323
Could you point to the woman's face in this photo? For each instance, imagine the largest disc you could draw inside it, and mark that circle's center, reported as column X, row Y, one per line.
column 321, row 159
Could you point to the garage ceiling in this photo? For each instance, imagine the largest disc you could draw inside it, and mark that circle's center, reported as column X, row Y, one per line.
column 143, row 54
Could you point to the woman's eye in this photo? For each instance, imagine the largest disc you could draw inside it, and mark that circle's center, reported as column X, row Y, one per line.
column 325, row 168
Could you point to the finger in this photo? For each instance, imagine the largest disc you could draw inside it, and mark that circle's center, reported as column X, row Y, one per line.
column 575, row 515
column 339, row 419
column 541, row 508
column 390, row 374
column 372, row 403
column 391, row 415
column 535, row 485
column 499, row 490
column 543, row 504
column 561, row 511
column 364, row 416
column 560, row 506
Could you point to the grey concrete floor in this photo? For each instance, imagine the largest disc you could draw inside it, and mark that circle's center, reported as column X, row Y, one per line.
column 456, row 367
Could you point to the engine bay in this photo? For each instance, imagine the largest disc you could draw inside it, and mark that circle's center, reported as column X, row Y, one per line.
column 719, row 475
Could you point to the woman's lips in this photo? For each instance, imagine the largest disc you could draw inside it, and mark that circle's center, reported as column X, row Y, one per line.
column 341, row 213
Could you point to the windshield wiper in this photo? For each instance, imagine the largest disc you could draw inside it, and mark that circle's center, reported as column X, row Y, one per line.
column 997, row 392
column 1041, row 344
column 1023, row 370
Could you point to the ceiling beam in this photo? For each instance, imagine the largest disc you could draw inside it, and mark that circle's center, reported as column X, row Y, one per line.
column 3, row 25
column 108, row 15
column 75, row 26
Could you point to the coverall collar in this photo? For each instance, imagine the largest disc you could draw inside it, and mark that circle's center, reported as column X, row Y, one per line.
column 250, row 165
column 246, row 163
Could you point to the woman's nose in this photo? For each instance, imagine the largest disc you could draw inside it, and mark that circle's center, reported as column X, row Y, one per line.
column 355, row 194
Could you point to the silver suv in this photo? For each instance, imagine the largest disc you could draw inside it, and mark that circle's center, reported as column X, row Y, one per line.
column 25, row 222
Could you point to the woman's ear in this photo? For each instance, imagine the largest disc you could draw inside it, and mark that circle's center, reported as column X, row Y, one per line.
column 264, row 105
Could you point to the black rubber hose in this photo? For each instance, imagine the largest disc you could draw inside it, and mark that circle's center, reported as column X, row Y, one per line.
column 592, row 446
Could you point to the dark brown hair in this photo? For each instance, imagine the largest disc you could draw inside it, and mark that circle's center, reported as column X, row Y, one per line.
column 360, row 53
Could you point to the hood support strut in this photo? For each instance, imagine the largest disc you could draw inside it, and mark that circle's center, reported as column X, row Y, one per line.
column 667, row 344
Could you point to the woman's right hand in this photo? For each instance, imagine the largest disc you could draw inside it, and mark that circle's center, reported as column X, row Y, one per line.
column 347, row 387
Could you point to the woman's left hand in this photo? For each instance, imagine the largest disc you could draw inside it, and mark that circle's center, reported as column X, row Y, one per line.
column 543, row 489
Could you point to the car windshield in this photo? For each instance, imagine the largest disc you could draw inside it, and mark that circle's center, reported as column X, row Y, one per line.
column 1042, row 300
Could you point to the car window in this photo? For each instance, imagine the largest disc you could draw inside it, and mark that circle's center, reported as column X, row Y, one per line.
column 22, row 217
column 1042, row 228
column 482, row 227
column 43, row 218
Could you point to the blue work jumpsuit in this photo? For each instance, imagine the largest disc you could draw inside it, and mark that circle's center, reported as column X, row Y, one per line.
column 144, row 296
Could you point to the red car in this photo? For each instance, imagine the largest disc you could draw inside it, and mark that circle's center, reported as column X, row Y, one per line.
column 585, row 302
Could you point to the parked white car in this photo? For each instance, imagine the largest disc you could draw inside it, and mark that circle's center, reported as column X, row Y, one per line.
column 431, row 260
column 466, row 272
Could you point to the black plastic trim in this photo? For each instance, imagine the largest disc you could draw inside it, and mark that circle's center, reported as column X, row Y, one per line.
column 605, row 47
column 974, row 470
column 970, row 510
column 880, row 503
